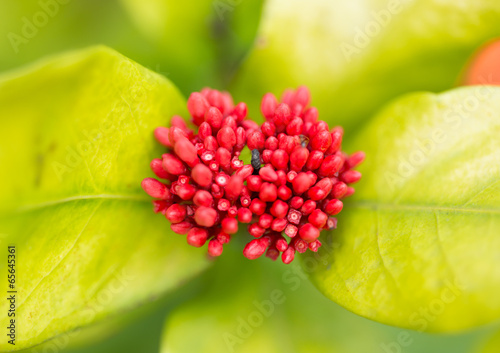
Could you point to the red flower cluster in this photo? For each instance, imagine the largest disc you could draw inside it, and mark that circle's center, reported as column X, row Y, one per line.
column 293, row 185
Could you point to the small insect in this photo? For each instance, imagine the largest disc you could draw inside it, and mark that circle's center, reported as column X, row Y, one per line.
column 304, row 140
column 256, row 162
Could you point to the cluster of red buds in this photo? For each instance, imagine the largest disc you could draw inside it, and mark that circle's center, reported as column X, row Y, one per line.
column 289, row 193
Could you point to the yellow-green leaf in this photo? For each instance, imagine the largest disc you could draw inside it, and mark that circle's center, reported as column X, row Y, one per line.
column 258, row 306
column 76, row 139
column 418, row 245
column 355, row 55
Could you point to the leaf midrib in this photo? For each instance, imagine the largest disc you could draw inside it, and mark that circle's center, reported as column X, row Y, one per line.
column 41, row 205
column 355, row 204
column 369, row 204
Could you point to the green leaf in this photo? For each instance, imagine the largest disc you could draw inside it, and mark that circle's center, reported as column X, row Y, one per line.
column 492, row 345
column 198, row 45
column 418, row 244
column 33, row 29
column 258, row 306
column 356, row 55
column 75, row 142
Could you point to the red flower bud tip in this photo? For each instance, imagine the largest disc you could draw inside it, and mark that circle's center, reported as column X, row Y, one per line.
column 162, row 136
column 282, row 114
column 185, row 191
column 265, row 220
column 330, row 165
column 298, row 158
column 288, row 255
column 284, row 192
column 349, row 192
column 331, row 223
column 339, row 190
column 255, row 248
column 179, row 122
column 241, row 138
column 268, row 174
column 226, row 137
column 240, row 111
column 232, row 212
column 223, row 237
column 203, row 198
column 333, row 207
column 295, row 193
column 281, row 244
column 229, row 225
column 204, row 131
column 300, row 245
column 197, row 106
column 160, row 206
column 254, row 182
column 173, row 165
column 355, row 159
column 279, row 209
column 255, row 140
column 214, row 248
column 318, row 218
column 279, row 224
column 308, row 207
column 213, row 117
column 230, row 121
column 155, row 189
column 268, row 105
column 223, row 205
column 269, row 129
column 291, row 230
column 202, row 175
column 308, row 232
column 245, row 201
column 314, row 246
column 205, row 216
column 175, row 134
column 314, row 160
column 266, row 156
column 236, row 164
column 295, row 127
column 316, row 193
column 302, row 96
column 255, row 230
column 268, row 192
column 301, row 183
column 350, row 176
column 183, row 179
column 244, row 215
column 197, row 237
column 290, row 176
column 176, row 213
column 279, row 159
column 294, row 216
column 336, row 134
column 181, row 228
column 272, row 253
column 222, row 179
column 296, row 202
column 234, row 187
column 257, row 207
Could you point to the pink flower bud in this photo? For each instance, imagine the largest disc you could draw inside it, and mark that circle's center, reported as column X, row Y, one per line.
column 155, row 189
column 197, row 237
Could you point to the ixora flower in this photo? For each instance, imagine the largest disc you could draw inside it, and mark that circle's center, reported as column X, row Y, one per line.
column 414, row 247
column 293, row 185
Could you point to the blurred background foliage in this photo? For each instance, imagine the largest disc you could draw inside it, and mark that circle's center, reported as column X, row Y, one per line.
column 203, row 43
column 193, row 45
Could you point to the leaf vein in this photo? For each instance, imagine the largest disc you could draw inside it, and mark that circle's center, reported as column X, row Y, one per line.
column 64, row 256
